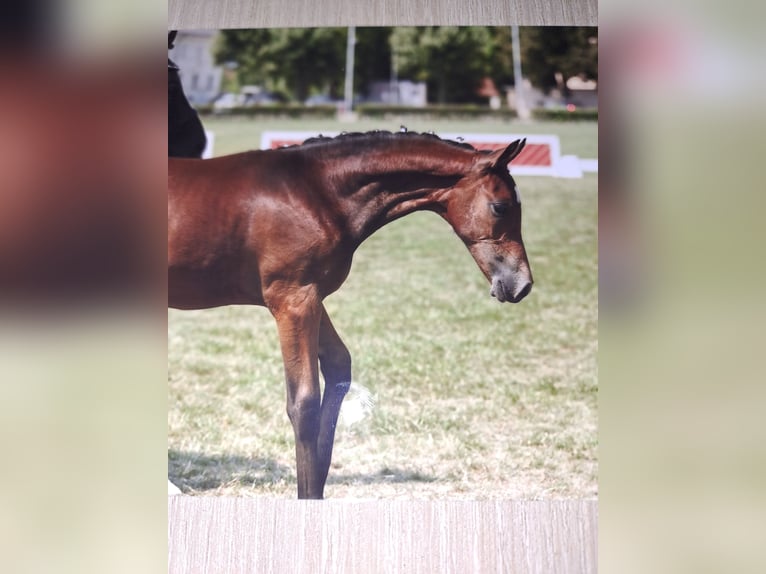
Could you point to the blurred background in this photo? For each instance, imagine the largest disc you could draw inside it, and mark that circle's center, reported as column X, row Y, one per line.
column 681, row 316
column 82, row 331
column 236, row 71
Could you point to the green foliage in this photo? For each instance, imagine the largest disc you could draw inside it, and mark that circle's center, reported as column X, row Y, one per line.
column 372, row 60
column 546, row 51
column 434, row 111
column 452, row 61
column 501, row 51
column 294, row 61
column 273, row 111
column 382, row 111
column 565, row 116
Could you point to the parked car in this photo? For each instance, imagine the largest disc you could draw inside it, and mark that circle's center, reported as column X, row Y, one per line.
column 227, row 100
column 322, row 100
column 263, row 99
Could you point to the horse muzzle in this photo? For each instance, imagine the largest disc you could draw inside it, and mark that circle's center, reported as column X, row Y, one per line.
column 506, row 267
column 510, row 289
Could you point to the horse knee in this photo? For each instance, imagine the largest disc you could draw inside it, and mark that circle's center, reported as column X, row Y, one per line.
column 342, row 357
column 336, row 360
column 303, row 413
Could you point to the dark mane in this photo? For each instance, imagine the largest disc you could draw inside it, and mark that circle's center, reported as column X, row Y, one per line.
column 380, row 135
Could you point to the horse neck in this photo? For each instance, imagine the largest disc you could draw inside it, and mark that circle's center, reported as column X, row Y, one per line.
column 385, row 183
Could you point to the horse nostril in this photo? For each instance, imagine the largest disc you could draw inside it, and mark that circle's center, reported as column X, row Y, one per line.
column 524, row 292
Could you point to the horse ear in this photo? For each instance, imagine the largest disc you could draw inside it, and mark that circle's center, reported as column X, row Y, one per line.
column 509, row 153
column 502, row 157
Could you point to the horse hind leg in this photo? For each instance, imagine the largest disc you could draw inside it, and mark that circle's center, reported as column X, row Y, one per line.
column 335, row 363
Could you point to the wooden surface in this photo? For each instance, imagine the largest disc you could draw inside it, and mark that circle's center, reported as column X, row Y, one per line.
column 219, row 14
column 270, row 536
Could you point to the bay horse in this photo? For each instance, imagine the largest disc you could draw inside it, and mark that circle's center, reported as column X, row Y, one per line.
column 186, row 136
column 279, row 228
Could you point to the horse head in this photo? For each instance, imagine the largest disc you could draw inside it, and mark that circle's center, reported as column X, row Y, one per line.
column 484, row 209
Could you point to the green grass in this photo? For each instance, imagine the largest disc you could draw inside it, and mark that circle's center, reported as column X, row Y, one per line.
column 474, row 399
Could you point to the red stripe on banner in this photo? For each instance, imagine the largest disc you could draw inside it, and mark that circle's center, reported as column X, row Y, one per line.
column 488, row 145
column 535, row 154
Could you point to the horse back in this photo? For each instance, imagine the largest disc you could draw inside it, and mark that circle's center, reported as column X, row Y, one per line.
column 241, row 222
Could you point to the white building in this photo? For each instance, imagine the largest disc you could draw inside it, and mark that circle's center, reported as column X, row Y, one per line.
column 193, row 54
column 403, row 92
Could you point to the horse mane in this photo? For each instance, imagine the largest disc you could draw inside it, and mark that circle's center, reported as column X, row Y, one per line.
column 380, row 135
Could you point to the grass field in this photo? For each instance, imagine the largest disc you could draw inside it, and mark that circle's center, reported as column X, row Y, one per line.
column 473, row 399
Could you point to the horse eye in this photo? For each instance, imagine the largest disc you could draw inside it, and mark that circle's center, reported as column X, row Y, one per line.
column 499, row 209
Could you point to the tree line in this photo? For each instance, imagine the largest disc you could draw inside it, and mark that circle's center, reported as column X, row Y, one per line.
column 453, row 61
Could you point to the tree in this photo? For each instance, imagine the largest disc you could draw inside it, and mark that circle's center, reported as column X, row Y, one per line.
column 292, row 61
column 373, row 57
column 451, row 60
column 547, row 51
column 501, row 55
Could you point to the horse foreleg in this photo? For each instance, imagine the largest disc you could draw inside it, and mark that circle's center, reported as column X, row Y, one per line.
column 335, row 362
column 298, row 319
